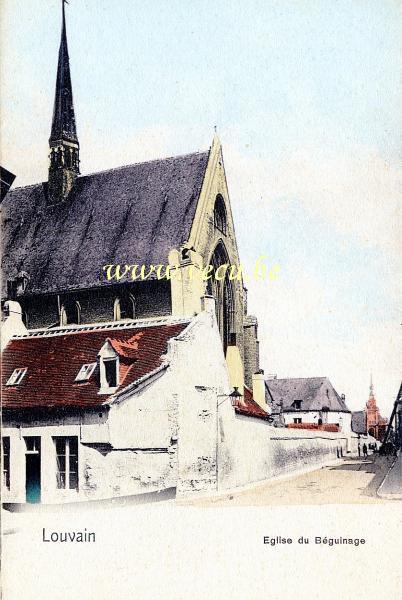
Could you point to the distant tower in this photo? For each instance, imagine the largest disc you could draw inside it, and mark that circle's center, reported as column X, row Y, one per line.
column 63, row 141
column 372, row 412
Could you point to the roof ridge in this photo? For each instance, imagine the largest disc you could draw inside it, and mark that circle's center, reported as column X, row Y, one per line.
column 107, row 326
column 121, row 167
column 145, row 162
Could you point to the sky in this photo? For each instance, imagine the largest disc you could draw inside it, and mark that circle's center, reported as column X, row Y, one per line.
column 306, row 99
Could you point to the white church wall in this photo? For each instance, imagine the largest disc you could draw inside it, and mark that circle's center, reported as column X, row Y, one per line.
column 252, row 450
column 124, row 472
column 199, row 365
column 142, row 420
column 103, row 472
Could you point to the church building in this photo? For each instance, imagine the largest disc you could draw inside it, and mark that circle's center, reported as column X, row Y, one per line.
column 376, row 424
column 63, row 237
column 129, row 362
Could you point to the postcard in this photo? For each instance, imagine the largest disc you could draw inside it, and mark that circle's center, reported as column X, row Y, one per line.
column 200, row 310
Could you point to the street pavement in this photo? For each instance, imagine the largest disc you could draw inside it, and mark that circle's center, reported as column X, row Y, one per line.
column 350, row 481
column 392, row 484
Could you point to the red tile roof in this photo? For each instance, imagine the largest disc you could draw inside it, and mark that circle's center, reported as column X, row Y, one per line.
column 53, row 362
column 250, row 408
column 331, row 427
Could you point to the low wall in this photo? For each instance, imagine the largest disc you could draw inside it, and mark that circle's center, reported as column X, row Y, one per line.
column 251, row 450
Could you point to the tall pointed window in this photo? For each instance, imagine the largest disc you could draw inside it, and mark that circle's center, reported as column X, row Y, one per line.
column 223, row 292
column 220, row 219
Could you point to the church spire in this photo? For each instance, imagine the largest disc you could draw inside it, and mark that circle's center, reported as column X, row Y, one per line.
column 63, row 141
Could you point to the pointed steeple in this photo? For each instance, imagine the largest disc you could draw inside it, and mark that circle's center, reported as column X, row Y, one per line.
column 63, row 141
column 371, row 402
column 371, row 386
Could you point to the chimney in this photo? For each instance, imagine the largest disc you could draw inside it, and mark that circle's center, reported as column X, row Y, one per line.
column 235, row 368
column 259, row 389
column 208, row 304
column 12, row 325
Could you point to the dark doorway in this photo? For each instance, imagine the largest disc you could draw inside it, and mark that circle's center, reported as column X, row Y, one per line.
column 32, row 470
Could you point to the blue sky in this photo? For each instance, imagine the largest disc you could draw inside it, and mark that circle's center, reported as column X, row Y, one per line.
column 306, row 96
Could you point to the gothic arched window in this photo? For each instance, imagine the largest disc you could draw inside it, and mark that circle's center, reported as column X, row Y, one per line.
column 221, row 288
column 70, row 313
column 124, row 308
column 220, row 219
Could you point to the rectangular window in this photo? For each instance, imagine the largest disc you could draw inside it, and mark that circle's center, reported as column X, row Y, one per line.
column 6, row 462
column 32, row 445
column 16, row 377
column 111, row 371
column 297, row 420
column 85, row 372
column 297, row 404
column 67, row 462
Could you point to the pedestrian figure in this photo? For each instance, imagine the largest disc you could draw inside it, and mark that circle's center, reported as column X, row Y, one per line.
column 358, row 449
column 364, row 450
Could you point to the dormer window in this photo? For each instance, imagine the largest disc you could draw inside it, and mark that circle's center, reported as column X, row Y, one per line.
column 16, row 377
column 110, row 365
column 108, row 369
column 297, row 404
column 85, row 372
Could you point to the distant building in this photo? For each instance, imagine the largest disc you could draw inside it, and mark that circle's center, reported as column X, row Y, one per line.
column 310, row 402
column 376, row 424
column 359, row 422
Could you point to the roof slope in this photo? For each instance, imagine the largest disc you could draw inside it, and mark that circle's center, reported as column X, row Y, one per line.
column 53, row 362
column 129, row 215
column 315, row 393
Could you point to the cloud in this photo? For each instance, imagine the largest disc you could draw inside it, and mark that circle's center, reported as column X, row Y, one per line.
column 304, row 328
column 357, row 191
column 296, row 341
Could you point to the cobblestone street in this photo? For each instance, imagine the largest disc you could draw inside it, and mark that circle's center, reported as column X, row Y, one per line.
column 355, row 480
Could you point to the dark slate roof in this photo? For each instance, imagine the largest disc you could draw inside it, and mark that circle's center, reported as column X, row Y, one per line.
column 359, row 422
column 315, row 393
column 129, row 215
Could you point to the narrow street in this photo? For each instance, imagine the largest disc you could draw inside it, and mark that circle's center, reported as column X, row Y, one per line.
column 354, row 481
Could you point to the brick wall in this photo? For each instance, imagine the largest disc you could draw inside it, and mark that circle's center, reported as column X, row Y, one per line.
column 152, row 299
